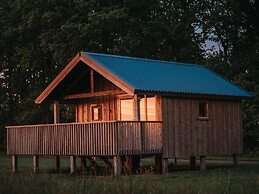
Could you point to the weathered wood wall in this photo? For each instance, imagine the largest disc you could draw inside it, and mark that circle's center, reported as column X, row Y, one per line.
column 86, row 139
column 109, row 106
column 184, row 134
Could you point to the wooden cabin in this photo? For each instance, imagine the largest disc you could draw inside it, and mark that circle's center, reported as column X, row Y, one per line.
column 128, row 108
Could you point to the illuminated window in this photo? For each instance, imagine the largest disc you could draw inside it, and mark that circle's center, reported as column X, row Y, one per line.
column 97, row 113
column 148, row 109
column 203, row 110
column 126, row 110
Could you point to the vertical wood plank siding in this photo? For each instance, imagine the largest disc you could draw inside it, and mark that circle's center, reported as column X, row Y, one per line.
column 184, row 134
column 82, row 139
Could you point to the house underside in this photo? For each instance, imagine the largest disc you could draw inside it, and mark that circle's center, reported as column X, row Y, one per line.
column 114, row 120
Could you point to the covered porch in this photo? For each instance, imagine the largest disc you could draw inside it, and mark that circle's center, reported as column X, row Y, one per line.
column 107, row 139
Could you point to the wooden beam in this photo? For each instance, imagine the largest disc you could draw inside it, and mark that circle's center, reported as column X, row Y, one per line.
column 56, row 112
column 116, row 165
column 136, row 108
column 89, row 95
column 145, row 108
column 14, row 164
column 202, row 163
column 92, row 80
column 35, row 164
column 73, row 165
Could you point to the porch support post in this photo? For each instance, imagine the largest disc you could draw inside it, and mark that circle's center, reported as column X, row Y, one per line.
column 117, row 165
column 14, row 164
column 165, row 165
column 157, row 163
column 35, row 164
column 73, row 165
column 56, row 115
column 202, row 163
column 235, row 160
column 193, row 162
column 56, row 112
column 92, row 80
column 57, row 163
column 136, row 108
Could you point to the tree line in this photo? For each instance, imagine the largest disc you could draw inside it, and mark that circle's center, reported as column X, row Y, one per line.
column 39, row 37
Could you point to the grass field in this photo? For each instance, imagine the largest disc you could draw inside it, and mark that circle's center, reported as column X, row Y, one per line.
column 220, row 177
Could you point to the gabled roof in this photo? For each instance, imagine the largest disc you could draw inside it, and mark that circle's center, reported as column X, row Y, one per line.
column 135, row 75
column 164, row 76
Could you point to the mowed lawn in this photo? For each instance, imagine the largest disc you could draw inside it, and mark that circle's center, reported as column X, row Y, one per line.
column 220, row 177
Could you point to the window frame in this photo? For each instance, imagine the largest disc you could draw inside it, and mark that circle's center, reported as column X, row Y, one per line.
column 119, row 106
column 206, row 117
column 145, row 101
column 92, row 112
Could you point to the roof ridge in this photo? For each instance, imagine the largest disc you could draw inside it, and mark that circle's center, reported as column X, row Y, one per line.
column 144, row 59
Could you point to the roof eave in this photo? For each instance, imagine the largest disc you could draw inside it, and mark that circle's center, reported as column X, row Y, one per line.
column 190, row 95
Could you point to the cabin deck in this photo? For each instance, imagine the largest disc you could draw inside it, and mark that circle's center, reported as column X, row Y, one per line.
column 110, row 138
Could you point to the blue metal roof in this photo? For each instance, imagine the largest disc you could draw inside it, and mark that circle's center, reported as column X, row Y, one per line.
column 163, row 76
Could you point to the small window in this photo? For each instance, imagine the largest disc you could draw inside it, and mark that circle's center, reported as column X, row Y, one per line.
column 97, row 113
column 203, row 110
column 148, row 109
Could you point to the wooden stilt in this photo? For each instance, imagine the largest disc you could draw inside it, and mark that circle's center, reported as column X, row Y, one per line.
column 175, row 161
column 235, row 160
column 116, row 165
column 73, row 164
column 157, row 163
column 14, row 164
column 57, row 163
column 202, row 163
column 165, row 165
column 83, row 164
column 193, row 162
column 35, row 164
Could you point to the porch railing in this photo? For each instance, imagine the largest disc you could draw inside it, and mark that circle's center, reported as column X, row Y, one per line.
column 86, row 139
